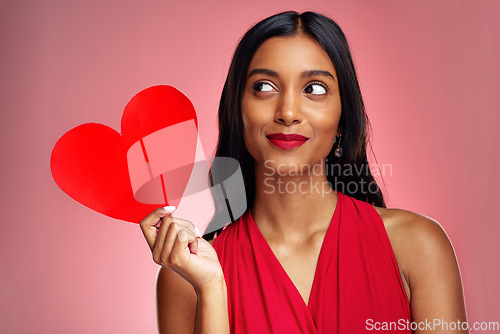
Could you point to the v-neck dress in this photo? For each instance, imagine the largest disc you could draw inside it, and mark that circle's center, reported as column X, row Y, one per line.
column 356, row 287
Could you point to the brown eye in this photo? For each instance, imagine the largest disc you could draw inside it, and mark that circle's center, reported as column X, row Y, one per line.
column 262, row 87
column 316, row 89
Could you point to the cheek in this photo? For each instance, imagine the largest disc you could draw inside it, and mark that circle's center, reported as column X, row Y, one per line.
column 254, row 117
column 249, row 123
column 251, row 129
column 326, row 125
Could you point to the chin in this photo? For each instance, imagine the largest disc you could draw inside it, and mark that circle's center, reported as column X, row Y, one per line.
column 290, row 165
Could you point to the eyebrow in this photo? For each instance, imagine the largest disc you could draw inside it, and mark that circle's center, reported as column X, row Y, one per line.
column 263, row 71
column 312, row 73
column 305, row 74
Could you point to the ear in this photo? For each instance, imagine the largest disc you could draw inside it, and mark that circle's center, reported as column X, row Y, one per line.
column 339, row 131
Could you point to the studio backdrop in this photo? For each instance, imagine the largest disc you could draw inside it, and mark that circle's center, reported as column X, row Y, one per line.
column 429, row 74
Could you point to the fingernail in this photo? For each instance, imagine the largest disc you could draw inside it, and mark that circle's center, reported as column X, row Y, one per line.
column 198, row 233
column 169, row 208
column 182, row 235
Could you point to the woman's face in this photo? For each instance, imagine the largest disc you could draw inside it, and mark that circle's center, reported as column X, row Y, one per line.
column 291, row 88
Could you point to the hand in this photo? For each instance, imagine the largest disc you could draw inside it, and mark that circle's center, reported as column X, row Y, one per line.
column 174, row 245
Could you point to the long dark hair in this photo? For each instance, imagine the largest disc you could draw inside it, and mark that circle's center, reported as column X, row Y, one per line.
column 349, row 173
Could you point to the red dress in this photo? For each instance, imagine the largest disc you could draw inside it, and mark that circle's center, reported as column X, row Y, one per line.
column 356, row 289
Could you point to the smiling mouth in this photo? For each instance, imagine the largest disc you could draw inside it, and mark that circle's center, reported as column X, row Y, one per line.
column 287, row 141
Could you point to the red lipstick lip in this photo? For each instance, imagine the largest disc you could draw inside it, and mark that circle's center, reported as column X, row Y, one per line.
column 287, row 141
column 291, row 136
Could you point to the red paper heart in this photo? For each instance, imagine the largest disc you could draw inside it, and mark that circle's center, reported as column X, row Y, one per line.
column 89, row 162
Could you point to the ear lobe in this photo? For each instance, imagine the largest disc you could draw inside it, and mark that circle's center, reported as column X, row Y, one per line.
column 339, row 131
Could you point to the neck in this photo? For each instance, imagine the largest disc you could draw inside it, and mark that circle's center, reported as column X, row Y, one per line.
column 292, row 207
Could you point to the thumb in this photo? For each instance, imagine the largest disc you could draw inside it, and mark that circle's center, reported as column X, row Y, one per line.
column 185, row 244
column 190, row 239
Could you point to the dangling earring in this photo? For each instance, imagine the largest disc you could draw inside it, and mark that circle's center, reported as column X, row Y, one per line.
column 338, row 150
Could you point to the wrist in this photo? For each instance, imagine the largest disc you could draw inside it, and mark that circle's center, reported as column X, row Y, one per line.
column 215, row 287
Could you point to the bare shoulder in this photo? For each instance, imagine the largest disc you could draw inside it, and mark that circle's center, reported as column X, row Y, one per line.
column 412, row 232
column 421, row 247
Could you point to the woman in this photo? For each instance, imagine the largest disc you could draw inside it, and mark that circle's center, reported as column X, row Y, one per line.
column 304, row 258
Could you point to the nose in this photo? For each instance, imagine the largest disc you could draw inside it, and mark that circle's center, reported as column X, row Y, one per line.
column 288, row 110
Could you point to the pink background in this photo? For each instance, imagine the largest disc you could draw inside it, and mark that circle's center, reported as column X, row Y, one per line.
column 429, row 72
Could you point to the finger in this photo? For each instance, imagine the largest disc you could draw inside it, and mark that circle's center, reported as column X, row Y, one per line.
column 188, row 225
column 165, row 241
column 190, row 236
column 185, row 223
column 168, row 245
column 193, row 246
column 169, row 211
column 180, row 250
column 148, row 223
column 160, row 238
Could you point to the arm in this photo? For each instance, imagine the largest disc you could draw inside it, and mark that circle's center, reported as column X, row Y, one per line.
column 191, row 290
column 211, row 311
column 428, row 261
column 181, row 310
